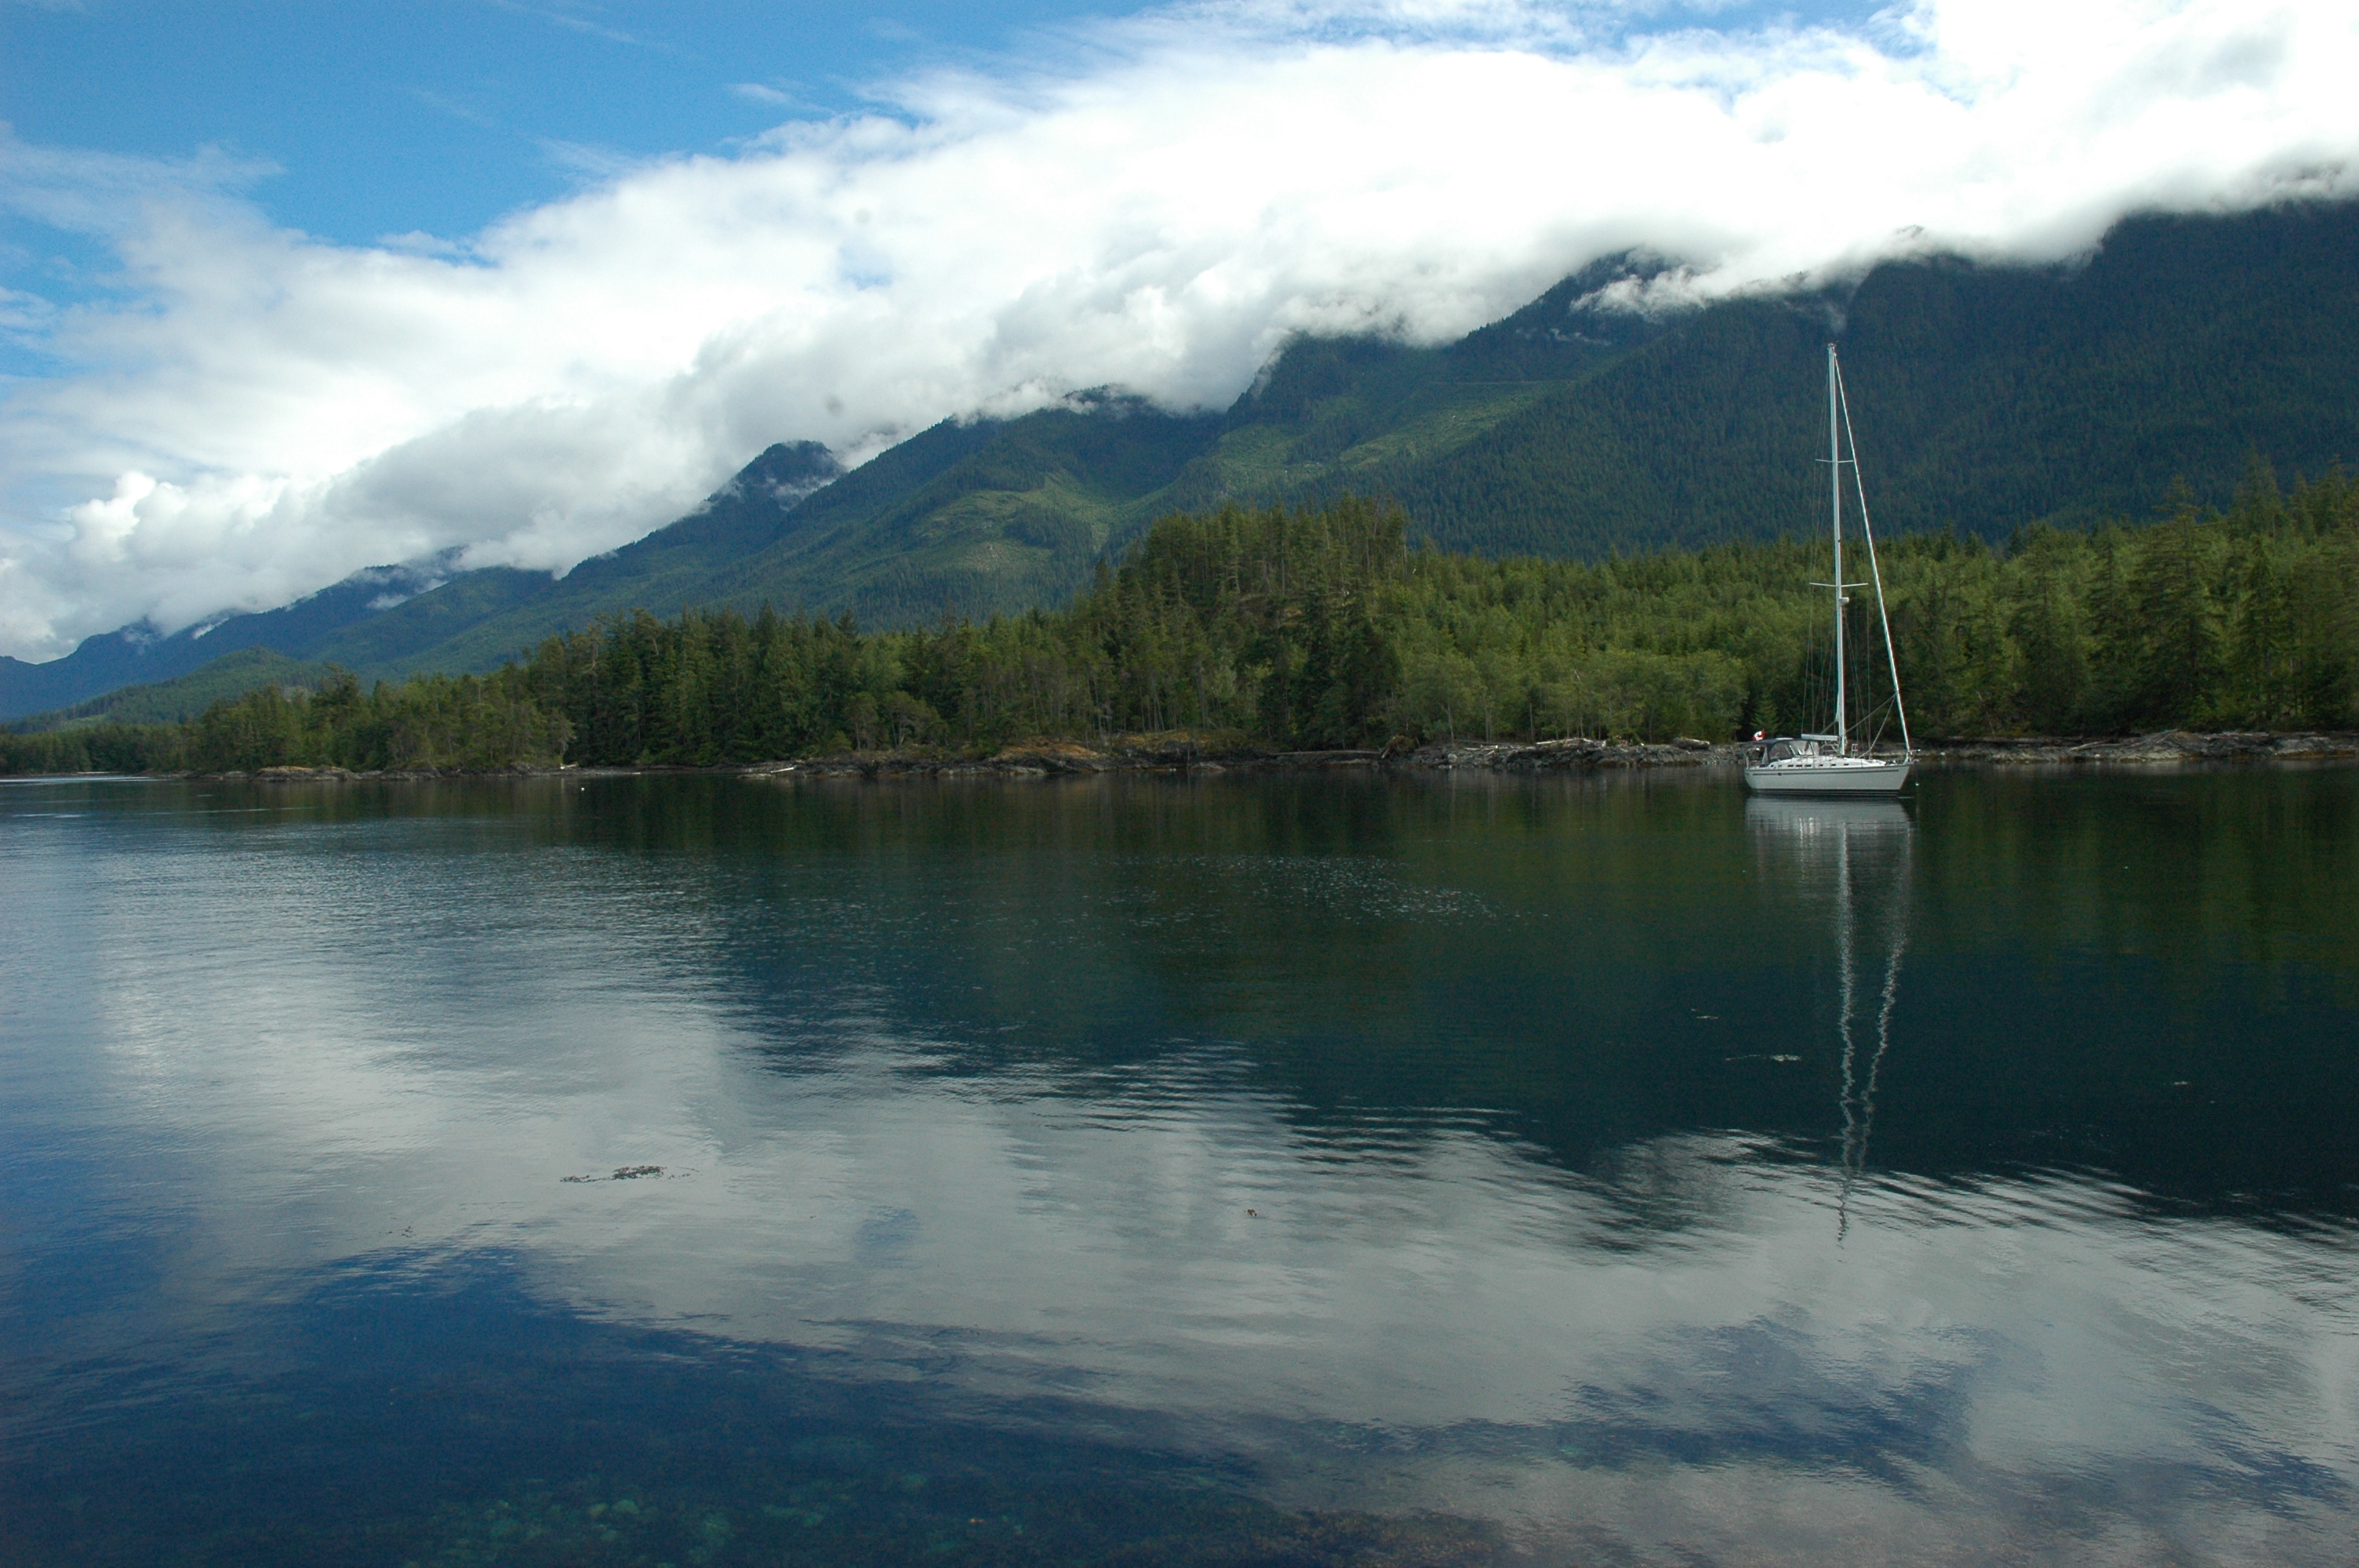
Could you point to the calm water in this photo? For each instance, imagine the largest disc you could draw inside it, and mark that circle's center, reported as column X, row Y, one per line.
column 1142, row 1171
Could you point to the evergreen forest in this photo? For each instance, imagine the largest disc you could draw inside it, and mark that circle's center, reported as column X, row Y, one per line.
column 1310, row 629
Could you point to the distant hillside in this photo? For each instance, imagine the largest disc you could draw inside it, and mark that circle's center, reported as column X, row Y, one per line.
column 139, row 656
column 183, row 698
column 1989, row 398
column 388, row 621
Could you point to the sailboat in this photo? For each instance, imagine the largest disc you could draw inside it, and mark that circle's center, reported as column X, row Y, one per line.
column 1833, row 762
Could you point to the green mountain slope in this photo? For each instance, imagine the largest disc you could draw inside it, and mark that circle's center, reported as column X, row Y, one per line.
column 1989, row 398
column 478, row 619
column 985, row 515
column 183, row 696
column 1014, row 517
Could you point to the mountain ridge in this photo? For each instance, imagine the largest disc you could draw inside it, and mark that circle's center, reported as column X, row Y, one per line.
column 1991, row 396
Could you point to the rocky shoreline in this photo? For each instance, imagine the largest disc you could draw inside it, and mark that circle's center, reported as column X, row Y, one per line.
column 1186, row 755
column 2163, row 746
column 1168, row 754
column 1053, row 758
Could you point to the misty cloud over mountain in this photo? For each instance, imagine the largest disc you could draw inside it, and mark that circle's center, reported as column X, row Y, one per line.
column 248, row 414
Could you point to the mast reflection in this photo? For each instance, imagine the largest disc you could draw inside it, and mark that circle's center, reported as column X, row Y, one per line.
column 1855, row 859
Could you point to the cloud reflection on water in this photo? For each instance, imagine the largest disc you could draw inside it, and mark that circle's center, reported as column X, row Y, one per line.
column 320, row 1045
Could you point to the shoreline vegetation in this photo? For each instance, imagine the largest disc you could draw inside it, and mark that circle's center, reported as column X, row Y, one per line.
column 1322, row 638
column 1185, row 754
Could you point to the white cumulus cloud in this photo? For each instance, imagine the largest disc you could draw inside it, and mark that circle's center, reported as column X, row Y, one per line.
column 249, row 414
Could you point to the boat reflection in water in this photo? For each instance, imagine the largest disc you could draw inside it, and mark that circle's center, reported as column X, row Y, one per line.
column 1853, row 859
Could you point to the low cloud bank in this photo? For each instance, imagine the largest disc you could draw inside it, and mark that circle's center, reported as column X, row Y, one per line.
column 252, row 415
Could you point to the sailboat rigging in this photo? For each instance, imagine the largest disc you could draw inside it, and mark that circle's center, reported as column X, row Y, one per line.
column 1830, row 763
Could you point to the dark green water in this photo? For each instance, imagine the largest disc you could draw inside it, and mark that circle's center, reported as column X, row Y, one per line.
column 1146, row 1170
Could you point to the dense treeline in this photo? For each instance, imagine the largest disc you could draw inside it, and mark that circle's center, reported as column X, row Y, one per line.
column 1305, row 629
column 432, row 721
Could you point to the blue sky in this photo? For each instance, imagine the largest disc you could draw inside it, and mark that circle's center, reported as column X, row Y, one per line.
column 438, row 116
column 291, row 289
column 392, row 115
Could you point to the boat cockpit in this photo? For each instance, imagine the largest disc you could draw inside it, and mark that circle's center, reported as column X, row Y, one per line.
column 1785, row 747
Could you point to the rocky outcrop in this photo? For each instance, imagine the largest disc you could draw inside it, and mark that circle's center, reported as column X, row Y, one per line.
column 1565, row 756
column 288, row 773
column 1039, row 758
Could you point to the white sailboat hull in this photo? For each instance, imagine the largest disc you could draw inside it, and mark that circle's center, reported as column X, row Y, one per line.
column 1828, row 775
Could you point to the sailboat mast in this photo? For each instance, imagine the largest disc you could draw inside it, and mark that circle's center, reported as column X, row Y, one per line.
column 1834, row 476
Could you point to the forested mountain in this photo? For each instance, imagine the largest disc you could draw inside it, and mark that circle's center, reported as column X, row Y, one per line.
column 1990, row 397
column 184, row 696
column 391, row 619
column 136, row 655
